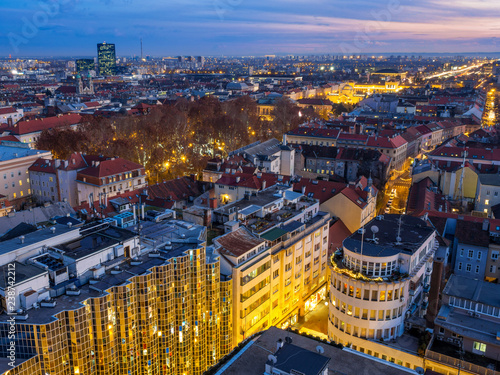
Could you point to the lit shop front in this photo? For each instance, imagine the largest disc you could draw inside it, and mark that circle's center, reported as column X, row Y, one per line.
column 315, row 298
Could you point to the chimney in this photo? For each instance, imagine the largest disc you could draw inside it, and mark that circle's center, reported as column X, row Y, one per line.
column 279, row 344
column 486, row 225
column 303, row 189
column 57, row 163
column 238, row 178
column 213, row 203
column 263, row 184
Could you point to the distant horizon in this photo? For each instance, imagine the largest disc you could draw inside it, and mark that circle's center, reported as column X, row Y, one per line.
column 281, row 55
column 56, row 28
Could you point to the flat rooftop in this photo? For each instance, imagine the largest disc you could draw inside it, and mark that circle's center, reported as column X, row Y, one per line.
column 8, row 152
column 173, row 238
column 22, row 272
column 252, row 361
column 468, row 326
column 65, row 302
column 262, row 199
column 414, row 232
column 36, row 237
column 95, row 242
column 473, row 290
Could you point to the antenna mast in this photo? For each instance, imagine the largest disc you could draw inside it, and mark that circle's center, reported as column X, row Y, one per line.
column 398, row 238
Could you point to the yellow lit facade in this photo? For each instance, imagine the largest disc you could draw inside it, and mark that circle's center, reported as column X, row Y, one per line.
column 173, row 319
column 353, row 93
column 284, row 281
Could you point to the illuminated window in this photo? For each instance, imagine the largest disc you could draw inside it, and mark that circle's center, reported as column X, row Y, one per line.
column 479, row 347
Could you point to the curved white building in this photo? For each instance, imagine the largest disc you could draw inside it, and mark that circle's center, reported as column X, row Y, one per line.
column 382, row 278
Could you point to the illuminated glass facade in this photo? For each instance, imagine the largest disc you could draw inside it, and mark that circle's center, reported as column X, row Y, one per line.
column 106, row 59
column 172, row 319
column 83, row 65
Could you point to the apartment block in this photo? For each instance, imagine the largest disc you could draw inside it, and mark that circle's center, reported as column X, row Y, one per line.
column 275, row 251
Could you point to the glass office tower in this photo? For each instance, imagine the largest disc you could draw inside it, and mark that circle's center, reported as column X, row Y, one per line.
column 106, row 59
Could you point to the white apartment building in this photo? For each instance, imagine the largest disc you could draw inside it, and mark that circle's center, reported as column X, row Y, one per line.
column 382, row 279
column 15, row 159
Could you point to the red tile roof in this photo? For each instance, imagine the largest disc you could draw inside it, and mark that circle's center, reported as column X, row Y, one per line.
column 386, row 142
column 39, row 125
column 251, row 181
column 315, row 132
column 7, row 110
column 422, row 198
column 10, row 138
column 109, row 167
column 337, row 234
column 178, row 189
column 320, row 189
column 75, row 161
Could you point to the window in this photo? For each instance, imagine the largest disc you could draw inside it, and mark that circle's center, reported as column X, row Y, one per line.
column 492, row 269
column 494, row 255
column 460, row 266
column 487, row 202
column 468, row 267
column 479, row 255
column 471, row 254
column 479, row 347
column 276, row 274
column 477, row 269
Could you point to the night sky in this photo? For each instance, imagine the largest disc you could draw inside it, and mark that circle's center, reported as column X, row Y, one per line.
column 248, row 27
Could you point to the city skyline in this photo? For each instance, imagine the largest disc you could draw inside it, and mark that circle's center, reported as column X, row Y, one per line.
column 220, row 27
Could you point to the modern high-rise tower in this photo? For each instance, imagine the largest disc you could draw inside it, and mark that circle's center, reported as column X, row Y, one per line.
column 106, row 59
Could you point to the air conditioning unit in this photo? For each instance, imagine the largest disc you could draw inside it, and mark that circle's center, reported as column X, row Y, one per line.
column 402, row 299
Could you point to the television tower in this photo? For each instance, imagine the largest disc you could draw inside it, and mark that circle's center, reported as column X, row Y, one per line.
column 141, row 49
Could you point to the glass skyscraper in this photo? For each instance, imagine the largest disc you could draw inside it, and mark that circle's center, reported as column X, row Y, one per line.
column 83, row 65
column 106, row 59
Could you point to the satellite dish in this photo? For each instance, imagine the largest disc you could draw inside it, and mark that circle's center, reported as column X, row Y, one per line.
column 272, row 358
column 374, row 229
column 320, row 349
column 288, row 340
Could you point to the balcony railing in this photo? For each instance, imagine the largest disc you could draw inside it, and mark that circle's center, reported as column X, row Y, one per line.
column 458, row 363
